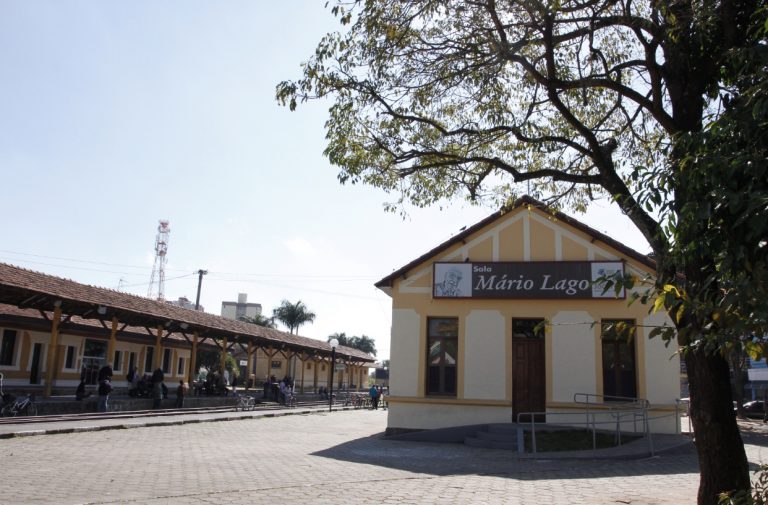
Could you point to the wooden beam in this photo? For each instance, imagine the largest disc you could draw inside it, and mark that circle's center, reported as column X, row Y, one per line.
column 302, row 372
column 22, row 304
column 223, row 356
column 53, row 345
column 249, row 367
column 42, row 313
column 193, row 359
column 112, row 342
column 157, row 360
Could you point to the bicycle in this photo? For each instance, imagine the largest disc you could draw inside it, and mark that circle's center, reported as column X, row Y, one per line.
column 24, row 406
column 244, row 402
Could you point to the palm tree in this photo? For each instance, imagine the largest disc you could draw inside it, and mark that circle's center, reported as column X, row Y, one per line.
column 260, row 320
column 365, row 344
column 293, row 315
column 342, row 338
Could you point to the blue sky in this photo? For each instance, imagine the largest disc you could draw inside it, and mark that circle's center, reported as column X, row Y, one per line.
column 114, row 115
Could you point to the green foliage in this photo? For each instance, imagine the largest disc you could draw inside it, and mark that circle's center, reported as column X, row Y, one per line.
column 363, row 343
column 758, row 495
column 260, row 320
column 718, row 220
column 293, row 315
column 211, row 360
column 658, row 105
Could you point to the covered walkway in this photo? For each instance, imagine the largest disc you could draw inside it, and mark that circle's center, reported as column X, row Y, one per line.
column 60, row 305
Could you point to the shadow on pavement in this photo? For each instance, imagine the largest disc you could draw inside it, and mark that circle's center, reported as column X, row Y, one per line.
column 444, row 459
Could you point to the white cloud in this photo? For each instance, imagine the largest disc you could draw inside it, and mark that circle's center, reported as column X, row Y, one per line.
column 300, row 248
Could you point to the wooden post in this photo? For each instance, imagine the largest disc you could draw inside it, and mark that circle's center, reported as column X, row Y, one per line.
column 157, row 359
column 53, row 345
column 193, row 359
column 223, row 358
column 249, row 352
column 314, row 375
column 303, row 366
column 112, row 343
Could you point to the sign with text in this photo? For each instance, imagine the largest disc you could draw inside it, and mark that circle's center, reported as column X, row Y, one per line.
column 525, row 279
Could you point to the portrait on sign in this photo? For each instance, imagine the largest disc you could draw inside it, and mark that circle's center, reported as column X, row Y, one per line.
column 453, row 280
column 602, row 271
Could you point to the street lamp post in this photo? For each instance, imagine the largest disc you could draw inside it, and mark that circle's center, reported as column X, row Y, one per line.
column 334, row 344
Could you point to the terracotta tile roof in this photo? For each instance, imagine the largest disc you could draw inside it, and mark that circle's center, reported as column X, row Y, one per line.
column 9, row 313
column 26, row 288
column 523, row 201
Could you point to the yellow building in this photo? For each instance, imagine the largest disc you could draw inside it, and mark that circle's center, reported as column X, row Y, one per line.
column 55, row 331
column 506, row 319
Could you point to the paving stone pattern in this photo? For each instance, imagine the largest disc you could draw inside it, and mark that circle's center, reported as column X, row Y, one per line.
column 320, row 459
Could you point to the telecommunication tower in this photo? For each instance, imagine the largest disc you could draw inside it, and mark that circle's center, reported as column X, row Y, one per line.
column 158, row 269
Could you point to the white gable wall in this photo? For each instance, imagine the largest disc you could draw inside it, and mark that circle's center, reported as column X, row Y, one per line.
column 485, row 351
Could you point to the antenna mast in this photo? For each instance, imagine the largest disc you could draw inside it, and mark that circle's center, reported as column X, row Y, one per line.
column 158, row 269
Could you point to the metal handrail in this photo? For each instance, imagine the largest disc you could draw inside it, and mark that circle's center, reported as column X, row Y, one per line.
column 618, row 408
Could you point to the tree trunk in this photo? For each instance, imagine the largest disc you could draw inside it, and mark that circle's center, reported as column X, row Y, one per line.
column 737, row 363
column 722, row 460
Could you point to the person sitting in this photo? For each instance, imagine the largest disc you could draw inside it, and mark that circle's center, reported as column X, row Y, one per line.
column 81, row 393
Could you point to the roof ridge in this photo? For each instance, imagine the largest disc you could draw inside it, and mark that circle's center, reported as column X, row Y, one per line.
column 506, row 209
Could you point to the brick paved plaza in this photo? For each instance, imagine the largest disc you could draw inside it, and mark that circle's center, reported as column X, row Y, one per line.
column 319, row 458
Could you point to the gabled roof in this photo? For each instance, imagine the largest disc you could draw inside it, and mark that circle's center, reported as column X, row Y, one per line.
column 29, row 289
column 524, row 201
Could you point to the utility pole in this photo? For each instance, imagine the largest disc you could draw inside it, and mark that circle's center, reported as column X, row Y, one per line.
column 200, row 272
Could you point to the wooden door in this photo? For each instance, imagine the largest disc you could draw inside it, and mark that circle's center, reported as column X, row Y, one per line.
column 529, row 383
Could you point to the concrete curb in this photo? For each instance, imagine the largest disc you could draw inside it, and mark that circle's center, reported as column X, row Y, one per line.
column 151, row 422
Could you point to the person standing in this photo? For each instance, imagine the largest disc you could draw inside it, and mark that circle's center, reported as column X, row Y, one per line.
column 105, row 388
column 157, row 388
column 181, row 392
column 374, row 392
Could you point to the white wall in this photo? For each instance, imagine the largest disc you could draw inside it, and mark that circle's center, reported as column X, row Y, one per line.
column 414, row 416
column 485, row 355
column 662, row 364
column 405, row 353
column 573, row 355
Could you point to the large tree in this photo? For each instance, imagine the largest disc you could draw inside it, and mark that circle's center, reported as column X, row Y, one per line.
column 655, row 104
column 363, row 343
column 293, row 315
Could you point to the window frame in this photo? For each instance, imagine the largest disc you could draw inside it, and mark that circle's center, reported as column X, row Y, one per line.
column 131, row 362
column 70, row 358
column 617, row 342
column 443, row 389
column 117, row 361
column 539, row 334
column 167, row 361
column 149, row 357
column 11, row 356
